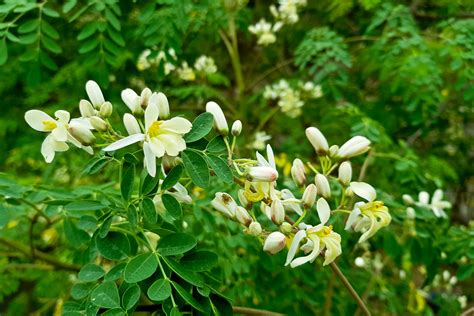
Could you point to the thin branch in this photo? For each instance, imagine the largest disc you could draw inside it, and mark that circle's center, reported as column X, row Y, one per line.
column 349, row 288
column 330, row 291
column 367, row 161
column 39, row 255
column 36, row 208
column 253, row 311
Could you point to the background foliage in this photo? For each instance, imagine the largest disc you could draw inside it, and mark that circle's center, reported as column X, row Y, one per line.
column 400, row 73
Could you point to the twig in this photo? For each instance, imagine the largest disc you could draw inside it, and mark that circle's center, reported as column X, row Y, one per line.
column 349, row 288
column 36, row 208
column 253, row 311
column 328, row 303
column 40, row 255
column 367, row 161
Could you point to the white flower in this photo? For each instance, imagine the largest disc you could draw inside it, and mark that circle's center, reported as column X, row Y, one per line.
column 259, row 141
column 266, row 169
column 437, row 204
column 186, row 73
column 225, row 204
column 309, row 196
column 317, row 139
column 243, row 216
column 205, row 64
column 255, row 228
column 277, row 212
column 136, row 103
column 131, row 124
column 355, row 146
column 322, row 184
column 367, row 217
column 274, row 243
column 161, row 137
column 57, row 128
column 220, row 123
column 290, row 203
column 345, row 173
column 298, row 172
column 162, row 103
column 359, row 262
column 94, row 93
column 236, row 128
column 265, row 32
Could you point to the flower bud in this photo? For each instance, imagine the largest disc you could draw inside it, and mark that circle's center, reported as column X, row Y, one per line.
column 243, row 216
column 274, row 243
column 410, row 213
column 262, row 174
column 220, row 123
column 286, row 227
column 243, row 199
column 106, row 109
column 161, row 101
column 349, row 192
column 81, row 133
column 86, row 109
column 94, row 93
column 345, row 173
column 317, row 139
column 298, row 172
column 255, row 228
column 353, row 147
column 98, row 124
column 309, row 196
column 169, row 162
column 322, row 184
column 359, row 262
column 278, row 212
column 407, row 199
column 152, row 239
column 333, row 151
column 236, row 128
column 225, row 204
column 131, row 124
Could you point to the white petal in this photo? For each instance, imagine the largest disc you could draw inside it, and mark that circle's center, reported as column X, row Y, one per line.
column 294, row 246
column 131, row 99
column 352, row 218
column 63, row 116
column 94, row 93
column 131, row 124
column 151, row 115
column 424, row 197
column 271, row 157
column 333, row 247
column 59, row 146
column 88, row 149
column 35, row 119
column 177, row 125
column 324, row 211
column 371, row 231
column 60, row 134
column 150, row 160
column 302, row 260
column 124, row 142
column 173, row 143
column 157, row 147
column 261, row 160
column 437, row 196
column 364, row 190
column 47, row 149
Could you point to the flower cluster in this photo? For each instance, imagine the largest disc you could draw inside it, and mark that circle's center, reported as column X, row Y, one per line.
column 149, row 58
column 260, row 201
column 289, row 99
column 285, row 14
column 147, row 124
column 437, row 204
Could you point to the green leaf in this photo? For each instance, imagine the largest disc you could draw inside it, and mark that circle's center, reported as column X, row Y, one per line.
column 81, row 290
column 87, row 31
column 51, row 45
column 131, row 296
column 74, row 235
column 29, row 26
column 89, row 45
column 196, row 167
column 49, row 30
column 199, row 261
column 172, row 205
column 83, row 206
column 149, row 211
column 128, row 178
column 216, row 145
column 112, row 19
column 188, row 297
column 175, row 244
column 28, row 39
column 132, row 216
column 69, row 5
column 50, row 12
column 3, row 51
column 202, row 125
column 115, row 246
column 140, row 268
column 185, row 274
column 114, row 312
column 159, row 290
column 95, row 165
column 91, row 272
column 172, row 178
column 150, row 184
column 465, row 272
column 115, row 273
column 106, row 295
column 221, row 168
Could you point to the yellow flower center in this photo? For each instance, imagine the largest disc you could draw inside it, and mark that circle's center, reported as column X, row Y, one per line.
column 375, row 206
column 154, row 130
column 49, row 125
column 325, row 231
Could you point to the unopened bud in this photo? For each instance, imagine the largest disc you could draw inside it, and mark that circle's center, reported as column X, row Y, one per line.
column 278, row 212
column 220, row 123
column 106, row 109
column 274, row 243
column 355, row 146
column 225, row 204
column 169, row 162
column 407, row 199
column 94, row 93
column 152, row 239
column 359, row 262
column 309, row 196
column 98, row 124
column 131, row 124
column 286, row 227
column 86, row 109
column 322, row 184
column 243, row 199
column 298, row 172
column 349, row 192
column 255, row 228
column 410, row 213
column 345, row 173
column 236, row 128
column 333, row 151
column 81, row 133
column 243, row 216
column 317, row 139
column 262, row 174
column 161, row 101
